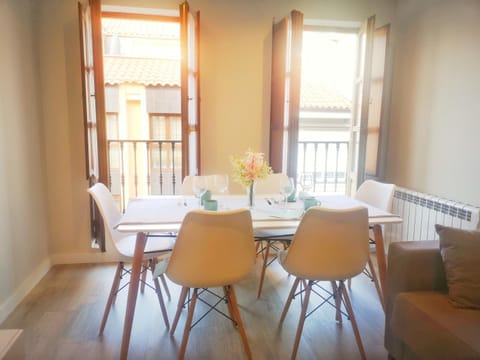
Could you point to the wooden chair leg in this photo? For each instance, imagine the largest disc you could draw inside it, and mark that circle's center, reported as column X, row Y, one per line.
column 232, row 298
column 188, row 324
column 289, row 299
column 337, row 296
column 113, row 291
column 257, row 245
column 158, row 290
column 181, row 303
column 264, row 267
column 165, row 286
column 162, row 278
column 122, row 270
column 301, row 321
column 349, row 308
column 371, row 268
column 229, row 305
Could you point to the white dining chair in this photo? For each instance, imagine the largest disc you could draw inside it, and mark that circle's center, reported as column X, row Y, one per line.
column 123, row 245
column 213, row 249
column 379, row 195
column 329, row 246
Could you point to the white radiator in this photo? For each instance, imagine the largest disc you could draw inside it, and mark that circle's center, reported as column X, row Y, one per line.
column 420, row 212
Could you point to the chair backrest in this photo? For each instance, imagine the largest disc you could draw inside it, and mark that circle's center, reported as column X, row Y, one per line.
column 330, row 244
column 377, row 194
column 271, row 184
column 212, row 249
column 187, row 184
column 107, row 207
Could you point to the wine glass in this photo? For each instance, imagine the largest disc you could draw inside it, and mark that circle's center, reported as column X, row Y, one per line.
column 306, row 182
column 199, row 187
column 287, row 187
column 220, row 183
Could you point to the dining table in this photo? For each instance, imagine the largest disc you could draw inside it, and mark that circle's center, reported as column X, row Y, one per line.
column 270, row 215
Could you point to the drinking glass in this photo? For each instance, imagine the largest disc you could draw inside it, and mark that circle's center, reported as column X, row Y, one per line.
column 220, row 183
column 306, row 182
column 220, row 186
column 199, row 187
column 287, row 187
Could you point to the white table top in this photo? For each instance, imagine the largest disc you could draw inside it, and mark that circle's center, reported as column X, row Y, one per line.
column 165, row 213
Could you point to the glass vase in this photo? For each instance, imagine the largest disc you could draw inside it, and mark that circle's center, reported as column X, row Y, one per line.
column 251, row 195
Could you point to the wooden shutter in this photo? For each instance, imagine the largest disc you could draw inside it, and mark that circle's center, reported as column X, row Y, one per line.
column 190, row 89
column 376, row 113
column 93, row 104
column 360, row 106
column 93, row 90
column 285, row 93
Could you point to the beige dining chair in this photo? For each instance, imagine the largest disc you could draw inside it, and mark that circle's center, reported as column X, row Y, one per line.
column 269, row 243
column 213, row 249
column 122, row 246
column 329, row 245
column 379, row 195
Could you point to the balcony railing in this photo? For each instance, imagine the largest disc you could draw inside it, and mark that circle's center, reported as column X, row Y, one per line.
column 153, row 167
column 144, row 167
column 326, row 161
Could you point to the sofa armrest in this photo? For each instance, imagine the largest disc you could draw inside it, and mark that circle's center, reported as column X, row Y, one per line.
column 412, row 266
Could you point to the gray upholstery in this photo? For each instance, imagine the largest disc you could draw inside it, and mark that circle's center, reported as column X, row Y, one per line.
column 420, row 321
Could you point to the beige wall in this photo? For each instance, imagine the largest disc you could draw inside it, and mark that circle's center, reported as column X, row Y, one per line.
column 24, row 256
column 435, row 114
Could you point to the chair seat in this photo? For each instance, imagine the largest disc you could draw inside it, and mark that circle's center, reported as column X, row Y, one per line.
column 155, row 246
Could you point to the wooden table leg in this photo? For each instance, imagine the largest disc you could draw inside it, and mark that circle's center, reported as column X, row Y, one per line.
column 132, row 292
column 382, row 263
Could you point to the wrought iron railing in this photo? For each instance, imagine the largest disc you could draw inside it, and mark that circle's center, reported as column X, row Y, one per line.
column 326, row 162
column 153, row 167
column 144, row 167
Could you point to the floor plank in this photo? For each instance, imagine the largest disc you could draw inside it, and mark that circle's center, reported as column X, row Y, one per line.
column 62, row 314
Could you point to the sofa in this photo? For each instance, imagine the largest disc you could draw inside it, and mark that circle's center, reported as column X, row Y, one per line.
column 421, row 321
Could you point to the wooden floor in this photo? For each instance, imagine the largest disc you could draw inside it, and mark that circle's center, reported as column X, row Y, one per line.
column 62, row 314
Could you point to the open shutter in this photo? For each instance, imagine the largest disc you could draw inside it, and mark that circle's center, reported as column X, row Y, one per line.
column 93, row 103
column 285, row 93
column 376, row 113
column 360, row 106
column 190, row 104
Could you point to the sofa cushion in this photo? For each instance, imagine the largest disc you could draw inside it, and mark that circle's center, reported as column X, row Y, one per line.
column 460, row 250
column 434, row 329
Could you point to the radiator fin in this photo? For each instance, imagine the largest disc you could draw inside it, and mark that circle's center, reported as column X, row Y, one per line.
column 420, row 212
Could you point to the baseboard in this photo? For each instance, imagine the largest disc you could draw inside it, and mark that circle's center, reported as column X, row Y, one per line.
column 25, row 287
column 40, row 271
column 83, row 258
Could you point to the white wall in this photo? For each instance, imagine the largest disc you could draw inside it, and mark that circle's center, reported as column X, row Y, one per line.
column 23, row 219
column 435, row 114
column 57, row 35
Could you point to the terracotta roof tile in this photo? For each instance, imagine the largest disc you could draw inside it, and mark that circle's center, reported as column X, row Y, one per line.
column 315, row 96
column 148, row 72
column 166, row 72
column 141, row 28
